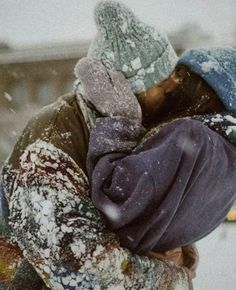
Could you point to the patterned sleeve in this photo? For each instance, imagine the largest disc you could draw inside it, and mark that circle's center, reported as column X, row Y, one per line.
column 64, row 236
column 222, row 123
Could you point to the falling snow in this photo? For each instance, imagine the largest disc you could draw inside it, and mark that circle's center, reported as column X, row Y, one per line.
column 8, row 96
column 112, row 212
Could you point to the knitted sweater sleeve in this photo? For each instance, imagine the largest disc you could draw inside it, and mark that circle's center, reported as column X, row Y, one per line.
column 223, row 123
column 64, row 236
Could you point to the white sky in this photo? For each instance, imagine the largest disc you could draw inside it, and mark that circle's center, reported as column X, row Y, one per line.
column 33, row 22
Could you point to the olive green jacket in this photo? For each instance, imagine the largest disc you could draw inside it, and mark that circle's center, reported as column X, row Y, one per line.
column 53, row 220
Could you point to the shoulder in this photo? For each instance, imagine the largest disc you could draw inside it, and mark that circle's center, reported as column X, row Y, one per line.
column 56, row 124
column 48, row 117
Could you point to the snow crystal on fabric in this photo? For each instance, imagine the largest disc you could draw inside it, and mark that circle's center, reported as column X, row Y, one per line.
column 209, row 65
column 64, row 237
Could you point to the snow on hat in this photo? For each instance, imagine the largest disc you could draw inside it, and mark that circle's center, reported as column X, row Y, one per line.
column 124, row 43
column 217, row 66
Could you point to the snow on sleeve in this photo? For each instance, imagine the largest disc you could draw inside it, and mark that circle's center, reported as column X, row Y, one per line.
column 65, row 238
column 217, row 118
column 231, row 129
column 230, row 119
column 223, row 123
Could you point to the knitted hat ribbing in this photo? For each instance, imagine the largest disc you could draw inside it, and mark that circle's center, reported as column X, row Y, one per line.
column 125, row 44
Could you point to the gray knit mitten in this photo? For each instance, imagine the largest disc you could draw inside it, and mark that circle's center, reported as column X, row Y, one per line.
column 109, row 91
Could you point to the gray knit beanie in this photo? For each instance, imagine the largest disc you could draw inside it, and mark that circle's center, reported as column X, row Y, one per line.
column 124, row 43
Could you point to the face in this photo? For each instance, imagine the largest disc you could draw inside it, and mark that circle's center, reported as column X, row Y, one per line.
column 153, row 99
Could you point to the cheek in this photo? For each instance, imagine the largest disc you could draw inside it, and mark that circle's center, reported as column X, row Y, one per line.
column 157, row 100
column 153, row 100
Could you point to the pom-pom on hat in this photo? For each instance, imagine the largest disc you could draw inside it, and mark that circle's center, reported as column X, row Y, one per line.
column 124, row 43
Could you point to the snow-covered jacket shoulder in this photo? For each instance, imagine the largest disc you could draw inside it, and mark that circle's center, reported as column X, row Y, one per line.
column 60, row 124
column 53, row 219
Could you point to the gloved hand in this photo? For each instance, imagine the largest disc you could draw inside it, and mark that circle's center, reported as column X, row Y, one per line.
column 108, row 91
column 191, row 259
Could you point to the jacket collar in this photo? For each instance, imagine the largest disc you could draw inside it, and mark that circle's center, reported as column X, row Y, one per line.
column 89, row 113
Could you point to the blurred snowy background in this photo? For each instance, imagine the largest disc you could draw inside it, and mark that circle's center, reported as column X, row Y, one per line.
column 40, row 42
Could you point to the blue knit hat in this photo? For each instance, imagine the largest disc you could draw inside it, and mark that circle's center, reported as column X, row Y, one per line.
column 124, row 43
column 217, row 66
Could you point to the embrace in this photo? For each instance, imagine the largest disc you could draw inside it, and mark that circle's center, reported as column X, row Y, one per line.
column 109, row 188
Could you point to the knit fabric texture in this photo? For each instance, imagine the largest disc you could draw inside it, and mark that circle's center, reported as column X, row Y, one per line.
column 109, row 93
column 124, row 43
column 217, row 66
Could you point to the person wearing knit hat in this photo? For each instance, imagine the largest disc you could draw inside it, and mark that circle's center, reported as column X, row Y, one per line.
column 65, row 161
column 203, row 82
column 217, row 67
column 152, row 191
column 171, row 89
column 166, row 86
column 54, row 223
